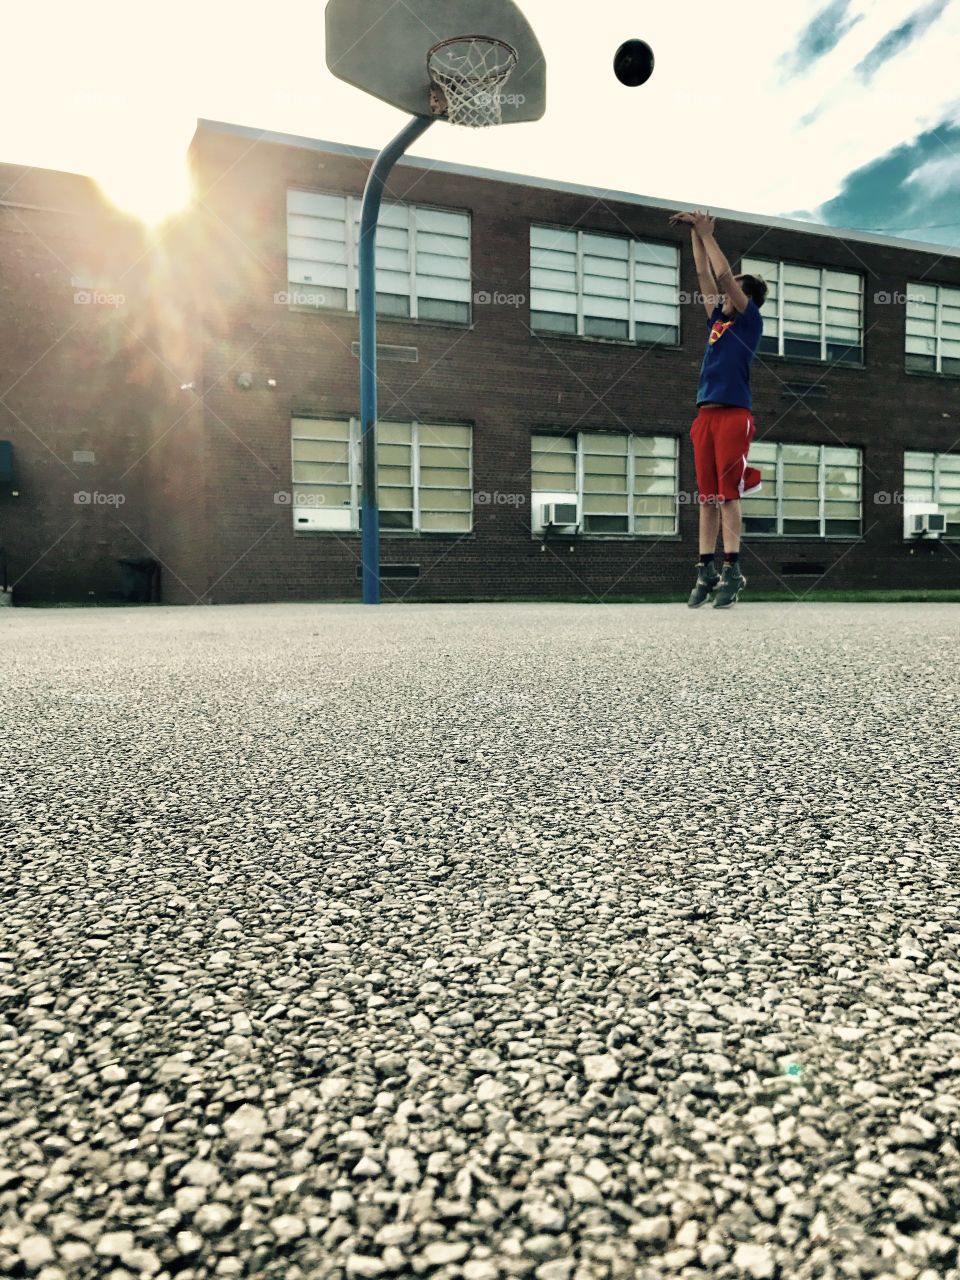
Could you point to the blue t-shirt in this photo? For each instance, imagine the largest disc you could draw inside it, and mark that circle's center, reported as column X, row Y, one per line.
column 731, row 347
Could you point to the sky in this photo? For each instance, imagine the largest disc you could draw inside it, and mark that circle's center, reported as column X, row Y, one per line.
column 840, row 111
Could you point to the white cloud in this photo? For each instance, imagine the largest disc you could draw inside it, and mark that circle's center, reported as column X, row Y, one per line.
column 937, row 177
column 862, row 122
column 117, row 95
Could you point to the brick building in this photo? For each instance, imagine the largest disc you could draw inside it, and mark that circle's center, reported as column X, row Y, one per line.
column 75, row 389
column 540, row 350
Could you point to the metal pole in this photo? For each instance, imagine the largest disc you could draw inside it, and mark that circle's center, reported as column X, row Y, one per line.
column 369, row 215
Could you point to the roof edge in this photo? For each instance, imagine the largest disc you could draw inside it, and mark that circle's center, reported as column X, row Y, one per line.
column 550, row 184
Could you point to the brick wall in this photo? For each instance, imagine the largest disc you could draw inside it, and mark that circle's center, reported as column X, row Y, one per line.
column 150, row 388
column 176, row 462
column 509, row 383
column 75, row 394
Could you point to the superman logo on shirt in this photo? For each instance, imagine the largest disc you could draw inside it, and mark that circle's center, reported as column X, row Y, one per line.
column 719, row 329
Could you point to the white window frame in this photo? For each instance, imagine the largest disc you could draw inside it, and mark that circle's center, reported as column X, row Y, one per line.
column 953, row 527
column 823, row 535
column 355, row 463
column 633, row 316
column 352, row 257
column 631, row 497
column 941, row 289
column 762, row 266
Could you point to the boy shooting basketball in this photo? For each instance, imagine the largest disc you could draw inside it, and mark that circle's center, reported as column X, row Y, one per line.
column 724, row 427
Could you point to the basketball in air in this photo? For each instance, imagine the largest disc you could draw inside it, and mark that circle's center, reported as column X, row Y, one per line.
column 634, row 63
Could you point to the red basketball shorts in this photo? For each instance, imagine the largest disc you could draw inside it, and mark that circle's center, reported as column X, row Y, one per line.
column 721, row 443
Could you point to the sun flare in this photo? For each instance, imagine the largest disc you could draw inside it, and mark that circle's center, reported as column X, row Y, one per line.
column 152, row 194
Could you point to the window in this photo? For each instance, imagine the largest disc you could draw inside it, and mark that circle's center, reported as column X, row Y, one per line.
column 325, row 490
column 811, row 311
column 622, row 484
column 592, row 285
column 424, row 476
column 809, row 490
column 935, row 477
column 933, row 329
column 423, row 258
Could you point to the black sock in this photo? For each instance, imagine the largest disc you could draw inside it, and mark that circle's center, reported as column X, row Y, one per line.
column 707, row 559
column 732, row 557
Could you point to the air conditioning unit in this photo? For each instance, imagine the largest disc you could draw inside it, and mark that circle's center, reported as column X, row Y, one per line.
column 923, row 520
column 323, row 519
column 561, row 516
column 932, row 525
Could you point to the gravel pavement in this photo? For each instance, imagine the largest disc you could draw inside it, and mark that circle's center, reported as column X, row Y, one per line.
column 480, row 941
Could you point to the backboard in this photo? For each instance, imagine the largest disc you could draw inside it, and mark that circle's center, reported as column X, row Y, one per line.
column 381, row 46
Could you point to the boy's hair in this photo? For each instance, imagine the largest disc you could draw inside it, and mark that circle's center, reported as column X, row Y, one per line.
column 755, row 287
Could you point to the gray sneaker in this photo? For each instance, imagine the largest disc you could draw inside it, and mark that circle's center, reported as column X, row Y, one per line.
column 708, row 579
column 731, row 584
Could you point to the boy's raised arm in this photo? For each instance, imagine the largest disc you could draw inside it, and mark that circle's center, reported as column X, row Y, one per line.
column 708, row 284
column 721, row 267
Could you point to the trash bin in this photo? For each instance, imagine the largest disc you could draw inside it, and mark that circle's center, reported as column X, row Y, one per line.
column 137, row 579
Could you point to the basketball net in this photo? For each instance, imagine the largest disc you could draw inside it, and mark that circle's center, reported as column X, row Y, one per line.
column 468, row 75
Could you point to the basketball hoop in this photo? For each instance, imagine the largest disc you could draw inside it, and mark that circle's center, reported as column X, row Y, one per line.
column 468, row 75
column 378, row 46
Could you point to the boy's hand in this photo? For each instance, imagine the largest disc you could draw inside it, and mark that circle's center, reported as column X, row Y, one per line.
column 700, row 221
